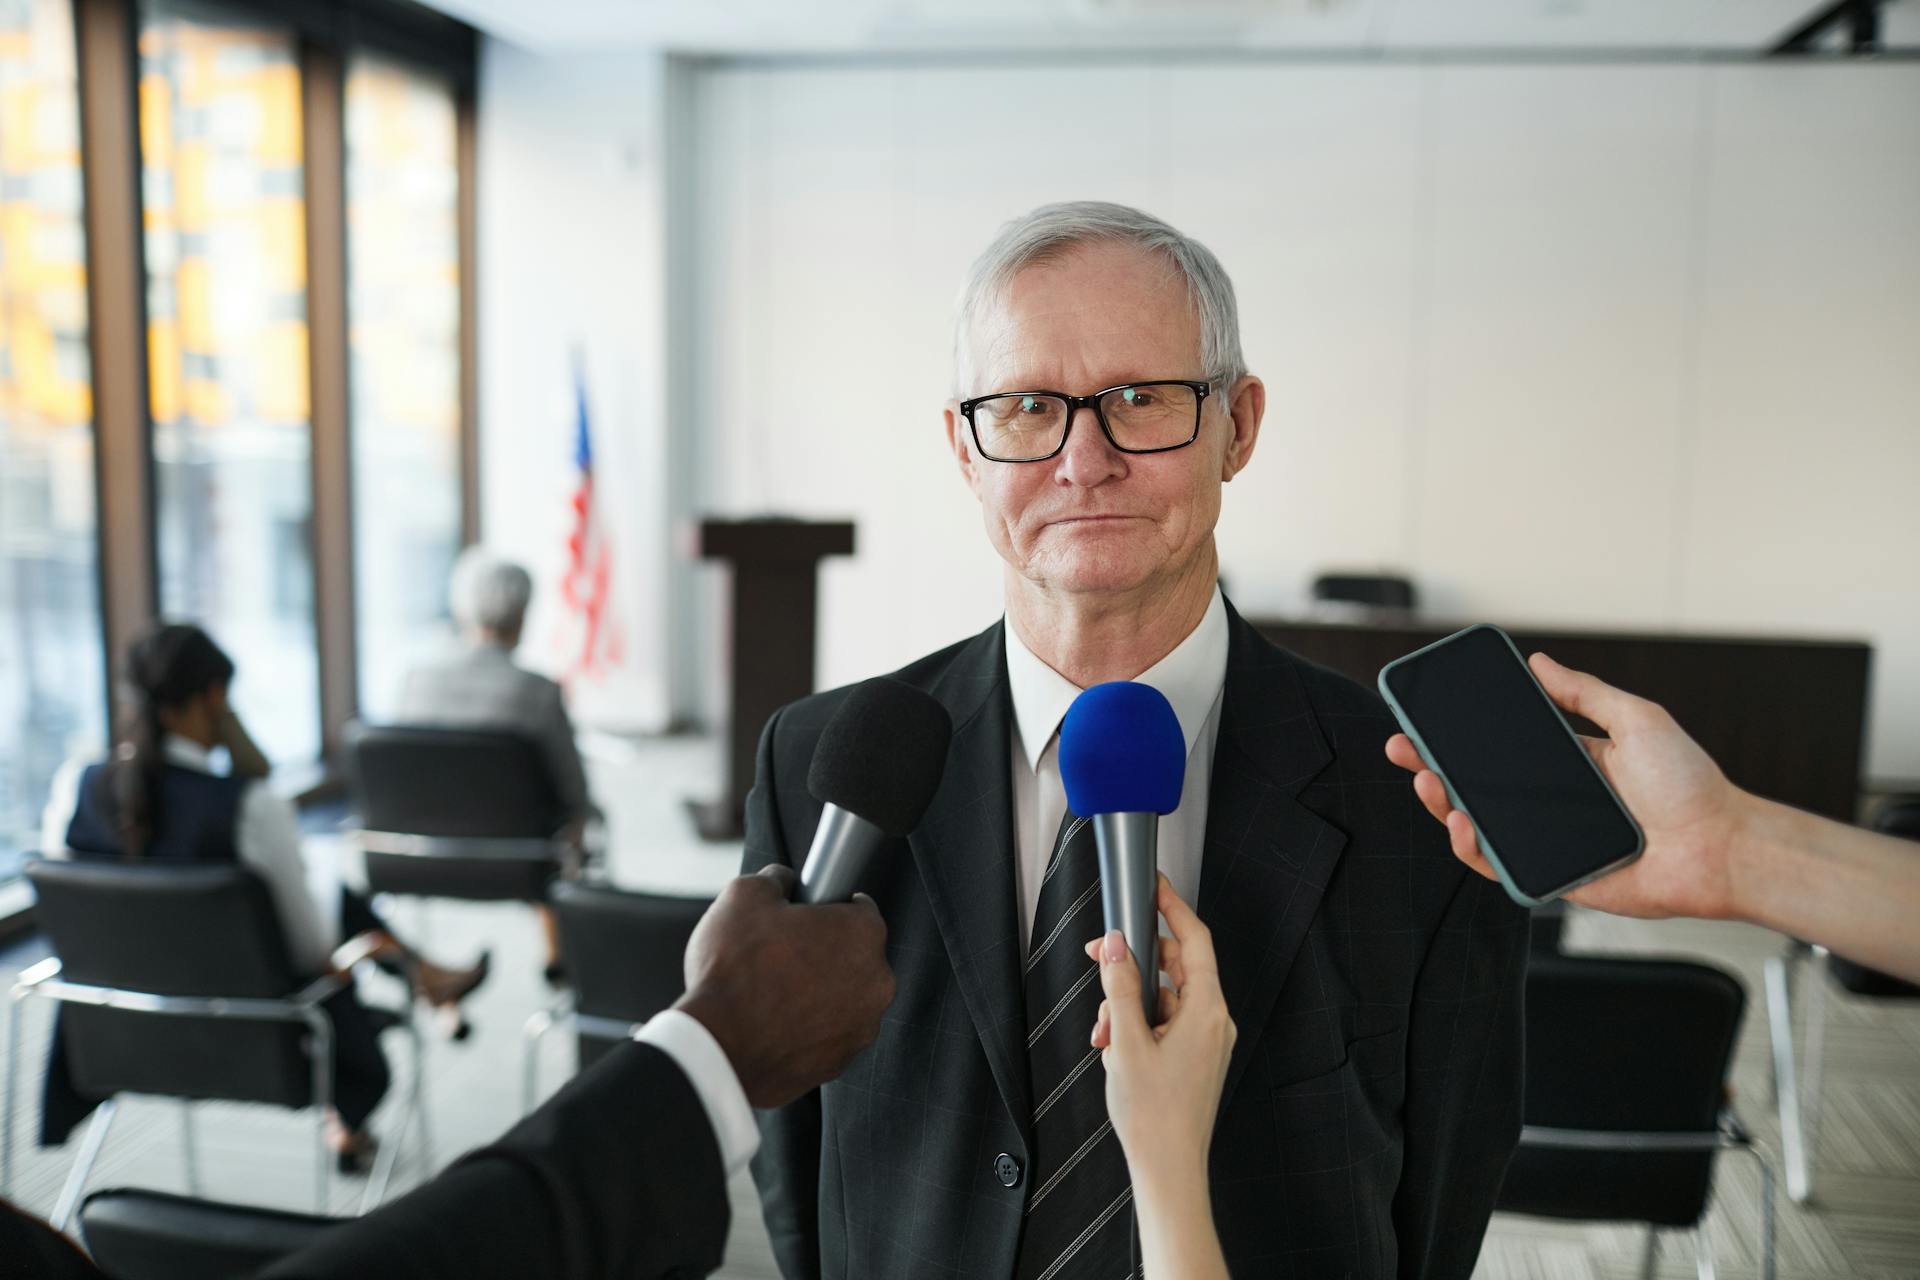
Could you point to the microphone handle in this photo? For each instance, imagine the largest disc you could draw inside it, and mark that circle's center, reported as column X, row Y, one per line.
column 842, row 844
column 1129, row 870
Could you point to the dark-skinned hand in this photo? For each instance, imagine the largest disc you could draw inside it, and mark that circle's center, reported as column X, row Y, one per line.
column 791, row 993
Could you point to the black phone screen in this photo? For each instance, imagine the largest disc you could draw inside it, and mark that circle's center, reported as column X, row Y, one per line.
column 1502, row 747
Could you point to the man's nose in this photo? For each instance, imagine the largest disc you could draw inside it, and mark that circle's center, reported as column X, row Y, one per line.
column 1088, row 457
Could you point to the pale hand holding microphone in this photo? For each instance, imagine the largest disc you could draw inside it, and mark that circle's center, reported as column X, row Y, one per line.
column 875, row 768
column 1123, row 760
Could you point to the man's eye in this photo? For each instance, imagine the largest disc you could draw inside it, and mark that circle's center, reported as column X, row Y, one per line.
column 1031, row 405
column 1139, row 398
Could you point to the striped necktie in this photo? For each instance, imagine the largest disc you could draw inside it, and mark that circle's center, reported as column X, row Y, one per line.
column 1077, row 1222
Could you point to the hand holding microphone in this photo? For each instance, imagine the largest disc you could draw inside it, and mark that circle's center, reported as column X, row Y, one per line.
column 1123, row 760
column 792, row 992
column 1163, row 1087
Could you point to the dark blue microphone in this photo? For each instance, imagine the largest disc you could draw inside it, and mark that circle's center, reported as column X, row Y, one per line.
column 1123, row 760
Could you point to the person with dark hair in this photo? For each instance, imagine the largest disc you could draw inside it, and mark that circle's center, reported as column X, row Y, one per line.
column 158, row 798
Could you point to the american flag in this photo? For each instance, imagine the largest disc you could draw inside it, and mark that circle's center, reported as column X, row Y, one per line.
column 590, row 643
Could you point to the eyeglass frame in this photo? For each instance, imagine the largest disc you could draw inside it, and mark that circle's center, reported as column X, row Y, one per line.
column 1200, row 388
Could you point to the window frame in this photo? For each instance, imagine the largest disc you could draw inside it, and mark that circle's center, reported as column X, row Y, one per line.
column 328, row 34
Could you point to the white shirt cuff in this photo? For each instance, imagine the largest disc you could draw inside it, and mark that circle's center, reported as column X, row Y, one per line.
column 693, row 1048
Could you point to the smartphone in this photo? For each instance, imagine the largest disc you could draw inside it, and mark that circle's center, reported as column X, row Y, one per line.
column 1547, row 819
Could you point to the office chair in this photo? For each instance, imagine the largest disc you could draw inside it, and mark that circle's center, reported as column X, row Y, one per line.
column 173, row 980
column 1798, row 1099
column 1626, row 1071
column 455, row 813
column 625, row 955
column 1374, row 591
column 151, row 1235
column 1548, row 928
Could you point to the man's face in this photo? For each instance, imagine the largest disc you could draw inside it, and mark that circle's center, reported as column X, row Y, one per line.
column 1092, row 519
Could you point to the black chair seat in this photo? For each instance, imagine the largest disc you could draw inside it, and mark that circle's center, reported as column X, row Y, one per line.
column 1623, row 1045
column 625, row 962
column 455, row 813
column 625, row 954
column 150, row 1235
column 453, row 875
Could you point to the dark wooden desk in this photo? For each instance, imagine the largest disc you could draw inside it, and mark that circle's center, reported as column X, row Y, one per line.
column 1784, row 718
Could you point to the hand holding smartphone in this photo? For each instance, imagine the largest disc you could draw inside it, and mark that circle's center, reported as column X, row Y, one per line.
column 1547, row 819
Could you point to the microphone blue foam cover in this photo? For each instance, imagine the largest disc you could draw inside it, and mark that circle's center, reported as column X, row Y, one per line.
column 1121, row 751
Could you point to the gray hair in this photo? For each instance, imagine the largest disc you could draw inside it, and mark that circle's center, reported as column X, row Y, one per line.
column 1051, row 231
column 489, row 592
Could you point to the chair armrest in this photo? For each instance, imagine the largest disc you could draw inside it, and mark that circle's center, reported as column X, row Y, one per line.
column 317, row 990
column 35, row 974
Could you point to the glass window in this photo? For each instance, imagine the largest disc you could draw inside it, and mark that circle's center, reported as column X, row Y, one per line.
column 403, row 314
column 222, row 180
column 52, row 685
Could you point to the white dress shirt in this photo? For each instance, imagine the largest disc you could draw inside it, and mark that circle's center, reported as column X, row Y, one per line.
column 266, row 836
column 1192, row 678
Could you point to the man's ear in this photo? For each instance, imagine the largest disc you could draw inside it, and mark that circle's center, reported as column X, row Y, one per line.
column 958, row 439
column 1246, row 405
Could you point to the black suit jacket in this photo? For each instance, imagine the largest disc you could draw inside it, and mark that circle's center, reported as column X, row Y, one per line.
column 616, row 1177
column 1373, row 1097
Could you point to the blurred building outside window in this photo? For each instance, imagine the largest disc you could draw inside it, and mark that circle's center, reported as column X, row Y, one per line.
column 226, row 255
column 52, row 678
column 403, row 317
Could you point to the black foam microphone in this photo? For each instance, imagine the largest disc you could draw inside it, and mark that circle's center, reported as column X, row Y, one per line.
column 875, row 768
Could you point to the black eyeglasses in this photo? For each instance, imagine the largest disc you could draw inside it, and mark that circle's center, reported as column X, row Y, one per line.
column 1137, row 417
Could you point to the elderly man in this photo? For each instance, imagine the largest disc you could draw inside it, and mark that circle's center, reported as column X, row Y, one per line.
column 1373, row 1097
column 479, row 686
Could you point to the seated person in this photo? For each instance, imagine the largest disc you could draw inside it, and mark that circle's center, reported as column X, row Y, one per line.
column 159, row 799
column 478, row 686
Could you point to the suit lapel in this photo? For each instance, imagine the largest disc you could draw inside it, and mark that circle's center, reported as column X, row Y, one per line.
column 1268, row 857
column 963, row 848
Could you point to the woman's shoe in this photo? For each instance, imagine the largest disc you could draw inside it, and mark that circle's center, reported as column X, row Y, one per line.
column 444, row 989
column 356, row 1159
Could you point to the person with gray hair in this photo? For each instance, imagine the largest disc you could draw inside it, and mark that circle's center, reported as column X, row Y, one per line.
column 1363, row 1045
column 477, row 685
column 489, row 597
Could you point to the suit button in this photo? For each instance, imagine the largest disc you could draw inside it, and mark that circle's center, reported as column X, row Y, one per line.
column 1007, row 1169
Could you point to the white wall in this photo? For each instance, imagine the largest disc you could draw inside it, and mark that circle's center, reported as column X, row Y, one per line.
column 571, row 260
column 1603, row 345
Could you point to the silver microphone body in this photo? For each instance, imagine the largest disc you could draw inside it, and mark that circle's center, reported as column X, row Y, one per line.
column 1128, row 845
column 842, row 844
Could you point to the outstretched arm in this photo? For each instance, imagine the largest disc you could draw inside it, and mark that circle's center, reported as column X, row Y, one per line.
column 1713, row 850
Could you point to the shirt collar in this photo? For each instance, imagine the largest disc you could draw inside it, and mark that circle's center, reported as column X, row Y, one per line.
column 1190, row 677
column 186, row 753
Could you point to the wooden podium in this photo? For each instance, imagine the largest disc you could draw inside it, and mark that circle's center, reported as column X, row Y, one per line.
column 771, row 640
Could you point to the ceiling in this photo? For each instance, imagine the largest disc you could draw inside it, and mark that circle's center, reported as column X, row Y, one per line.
column 742, row 27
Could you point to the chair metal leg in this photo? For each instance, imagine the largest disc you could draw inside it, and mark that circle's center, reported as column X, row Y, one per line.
column 389, row 1156
column 1702, row 1251
column 1785, row 1083
column 13, row 1067
column 190, row 1148
column 1745, row 1146
column 83, row 1164
column 420, row 1105
column 1650, row 1256
column 321, row 1047
column 531, row 1034
column 1814, row 995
